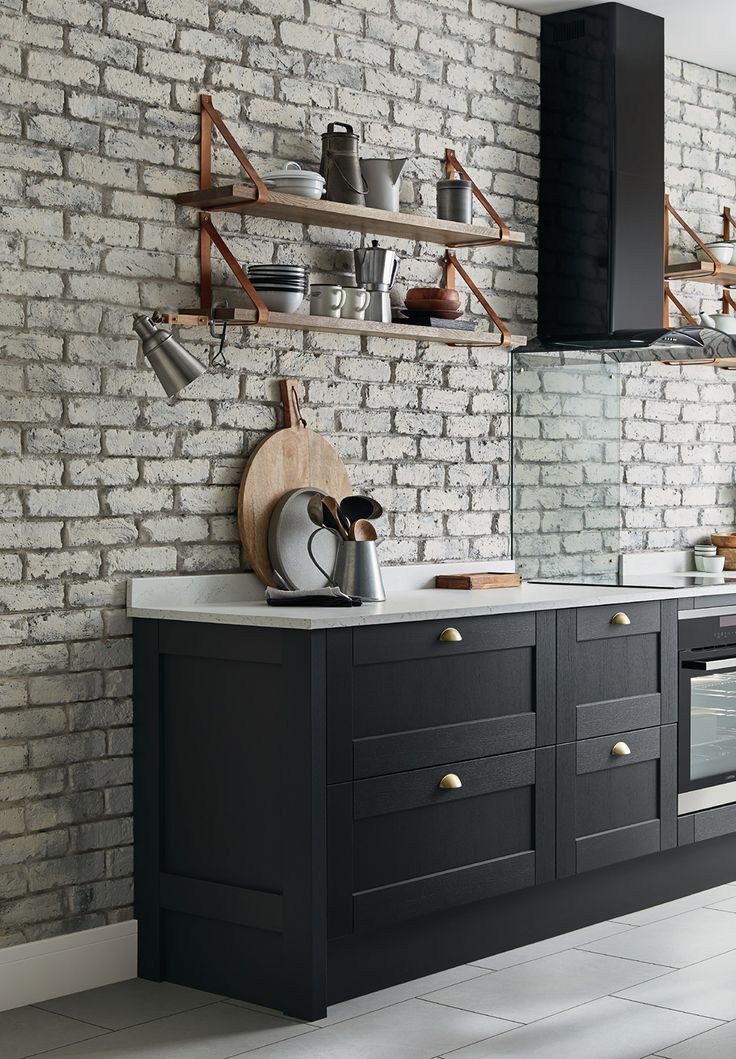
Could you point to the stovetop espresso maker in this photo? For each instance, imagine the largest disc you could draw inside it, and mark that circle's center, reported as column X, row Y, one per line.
column 376, row 269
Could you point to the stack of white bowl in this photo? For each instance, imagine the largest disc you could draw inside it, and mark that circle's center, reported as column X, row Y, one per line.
column 282, row 287
column 293, row 180
column 722, row 251
column 706, row 559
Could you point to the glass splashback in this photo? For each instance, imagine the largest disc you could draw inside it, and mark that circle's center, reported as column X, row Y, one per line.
column 566, row 429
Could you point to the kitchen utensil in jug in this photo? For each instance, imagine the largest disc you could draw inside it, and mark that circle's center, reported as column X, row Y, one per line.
column 357, row 570
column 340, row 165
column 382, row 178
column 358, row 506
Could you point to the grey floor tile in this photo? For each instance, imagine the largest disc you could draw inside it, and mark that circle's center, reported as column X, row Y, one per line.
column 719, row 1043
column 545, row 987
column 410, row 1030
column 675, row 942
column 707, row 988
column 551, row 945
column 216, row 1031
column 607, row 1029
column 682, row 904
column 361, row 1005
column 26, row 1031
column 128, row 1003
column 729, row 905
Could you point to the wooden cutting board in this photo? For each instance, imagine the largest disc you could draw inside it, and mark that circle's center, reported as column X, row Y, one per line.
column 469, row 581
column 293, row 457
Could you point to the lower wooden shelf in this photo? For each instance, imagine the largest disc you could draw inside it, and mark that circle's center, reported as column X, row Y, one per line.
column 339, row 326
column 702, row 272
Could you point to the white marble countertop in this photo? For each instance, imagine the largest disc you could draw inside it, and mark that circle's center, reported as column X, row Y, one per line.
column 237, row 599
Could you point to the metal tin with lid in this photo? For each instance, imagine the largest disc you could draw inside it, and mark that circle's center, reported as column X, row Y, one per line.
column 455, row 200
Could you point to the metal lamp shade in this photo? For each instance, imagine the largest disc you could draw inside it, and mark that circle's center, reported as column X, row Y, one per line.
column 175, row 368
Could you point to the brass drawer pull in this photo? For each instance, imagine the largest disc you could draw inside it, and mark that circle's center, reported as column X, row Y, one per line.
column 620, row 750
column 450, row 636
column 619, row 618
column 450, row 782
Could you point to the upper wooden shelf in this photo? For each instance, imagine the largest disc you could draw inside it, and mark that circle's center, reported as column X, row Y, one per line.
column 703, row 272
column 341, row 326
column 239, row 198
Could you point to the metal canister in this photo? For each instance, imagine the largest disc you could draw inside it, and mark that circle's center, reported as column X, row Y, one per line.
column 455, row 200
column 340, row 165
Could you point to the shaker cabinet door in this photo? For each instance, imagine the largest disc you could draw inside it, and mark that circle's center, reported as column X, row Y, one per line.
column 406, row 696
column 616, row 798
column 413, row 843
column 616, row 668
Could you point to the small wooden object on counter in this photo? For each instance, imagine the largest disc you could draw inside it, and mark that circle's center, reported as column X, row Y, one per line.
column 291, row 458
column 468, row 581
column 723, row 540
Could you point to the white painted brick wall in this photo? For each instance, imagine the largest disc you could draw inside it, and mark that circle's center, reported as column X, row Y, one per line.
column 99, row 477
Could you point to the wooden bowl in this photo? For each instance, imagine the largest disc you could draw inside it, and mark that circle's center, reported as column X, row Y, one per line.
column 723, row 540
column 434, row 297
column 729, row 554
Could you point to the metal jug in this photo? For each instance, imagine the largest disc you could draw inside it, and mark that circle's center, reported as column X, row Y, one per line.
column 382, row 178
column 340, row 165
column 357, row 570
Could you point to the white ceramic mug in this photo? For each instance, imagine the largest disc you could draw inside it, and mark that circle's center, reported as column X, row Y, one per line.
column 356, row 303
column 326, row 299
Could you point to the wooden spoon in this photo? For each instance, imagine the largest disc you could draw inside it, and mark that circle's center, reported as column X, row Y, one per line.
column 330, row 504
column 363, row 530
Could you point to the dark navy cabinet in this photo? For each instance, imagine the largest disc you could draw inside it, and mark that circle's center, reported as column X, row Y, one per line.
column 320, row 814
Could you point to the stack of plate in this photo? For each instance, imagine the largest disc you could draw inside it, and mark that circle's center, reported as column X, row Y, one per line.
column 282, row 287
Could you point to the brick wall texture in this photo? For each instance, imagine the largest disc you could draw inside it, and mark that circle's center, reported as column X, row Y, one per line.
column 101, row 478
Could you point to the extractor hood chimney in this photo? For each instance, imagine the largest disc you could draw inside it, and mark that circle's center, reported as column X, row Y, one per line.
column 601, row 224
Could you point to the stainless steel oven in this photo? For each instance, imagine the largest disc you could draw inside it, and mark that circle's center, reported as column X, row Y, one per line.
column 707, row 709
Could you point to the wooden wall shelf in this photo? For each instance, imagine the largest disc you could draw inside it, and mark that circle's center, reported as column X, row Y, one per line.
column 239, row 198
column 338, row 326
column 702, row 272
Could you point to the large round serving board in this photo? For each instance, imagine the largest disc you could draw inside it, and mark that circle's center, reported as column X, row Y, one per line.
column 293, row 457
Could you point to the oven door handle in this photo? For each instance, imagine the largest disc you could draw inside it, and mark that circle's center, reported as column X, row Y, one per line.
column 710, row 665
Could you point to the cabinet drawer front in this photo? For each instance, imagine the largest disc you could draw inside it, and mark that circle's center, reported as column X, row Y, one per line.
column 400, row 846
column 614, row 808
column 595, row 755
column 409, row 790
column 399, row 642
column 378, row 755
column 594, row 623
column 612, row 715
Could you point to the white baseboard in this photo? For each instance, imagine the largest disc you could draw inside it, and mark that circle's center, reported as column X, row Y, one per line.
column 41, row 970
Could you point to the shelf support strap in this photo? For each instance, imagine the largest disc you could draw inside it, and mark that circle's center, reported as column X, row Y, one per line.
column 452, row 166
column 236, row 269
column 669, row 296
column 452, row 263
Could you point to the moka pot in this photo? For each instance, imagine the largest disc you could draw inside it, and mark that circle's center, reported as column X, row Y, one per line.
column 376, row 269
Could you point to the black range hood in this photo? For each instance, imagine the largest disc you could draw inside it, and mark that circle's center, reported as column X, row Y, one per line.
column 601, row 224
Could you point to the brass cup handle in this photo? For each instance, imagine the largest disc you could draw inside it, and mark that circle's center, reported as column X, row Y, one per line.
column 619, row 618
column 450, row 636
column 450, row 782
column 620, row 749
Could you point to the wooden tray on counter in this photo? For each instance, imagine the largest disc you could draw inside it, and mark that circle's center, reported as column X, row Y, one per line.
column 470, row 581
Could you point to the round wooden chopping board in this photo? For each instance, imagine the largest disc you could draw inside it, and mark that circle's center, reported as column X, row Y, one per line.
column 293, row 457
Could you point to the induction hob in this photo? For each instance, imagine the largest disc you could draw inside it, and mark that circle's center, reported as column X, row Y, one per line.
column 684, row 579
